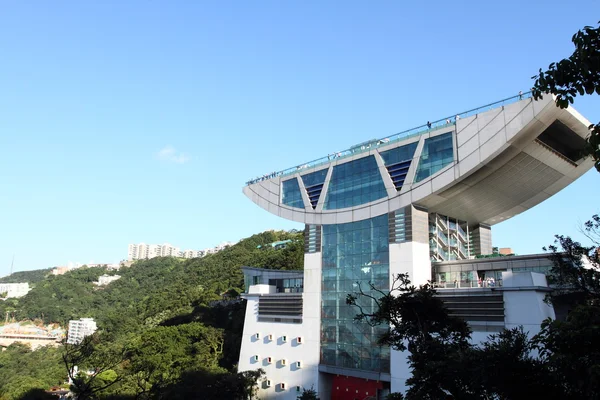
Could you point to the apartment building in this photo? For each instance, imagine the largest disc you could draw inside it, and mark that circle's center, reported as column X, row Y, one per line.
column 80, row 328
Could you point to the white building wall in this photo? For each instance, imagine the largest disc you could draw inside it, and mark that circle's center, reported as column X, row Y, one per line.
column 291, row 351
column 311, row 319
column 412, row 258
column 106, row 279
column 14, row 289
column 154, row 250
column 132, row 252
column 307, row 352
column 78, row 329
column 524, row 307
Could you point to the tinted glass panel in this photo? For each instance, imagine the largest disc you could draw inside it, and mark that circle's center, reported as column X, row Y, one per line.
column 437, row 153
column 313, row 183
column 290, row 195
column 314, row 178
column 399, row 154
column 397, row 162
column 354, row 253
column 354, row 183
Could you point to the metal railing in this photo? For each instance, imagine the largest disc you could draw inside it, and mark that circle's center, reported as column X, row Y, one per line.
column 417, row 131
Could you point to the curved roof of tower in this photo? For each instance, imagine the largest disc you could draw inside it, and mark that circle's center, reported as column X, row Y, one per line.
column 482, row 166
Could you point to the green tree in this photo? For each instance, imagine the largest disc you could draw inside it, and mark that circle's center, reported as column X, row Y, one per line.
column 91, row 365
column 575, row 272
column 419, row 322
column 443, row 362
column 30, row 277
column 578, row 74
column 17, row 387
column 308, row 394
column 37, row 394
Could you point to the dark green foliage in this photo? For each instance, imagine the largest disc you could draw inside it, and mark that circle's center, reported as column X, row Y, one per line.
column 395, row 396
column 561, row 362
column 576, row 268
column 571, row 351
column 578, row 74
column 92, row 365
column 412, row 313
column 200, row 385
column 419, row 322
column 37, row 394
column 22, row 370
column 168, row 326
column 308, row 394
column 30, row 277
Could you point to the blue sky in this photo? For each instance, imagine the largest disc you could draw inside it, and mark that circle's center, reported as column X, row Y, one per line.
column 140, row 121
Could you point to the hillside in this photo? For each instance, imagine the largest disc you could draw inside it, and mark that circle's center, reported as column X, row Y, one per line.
column 157, row 314
column 30, row 277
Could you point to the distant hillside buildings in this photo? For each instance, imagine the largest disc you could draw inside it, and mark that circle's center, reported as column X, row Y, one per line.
column 13, row 290
column 80, row 328
column 143, row 251
column 104, row 280
column 61, row 270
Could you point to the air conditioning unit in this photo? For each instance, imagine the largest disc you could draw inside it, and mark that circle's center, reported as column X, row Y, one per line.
column 298, row 364
column 283, row 361
column 255, row 358
column 268, row 383
column 269, row 360
column 282, row 385
column 284, row 338
column 257, row 336
column 270, row 337
column 299, row 339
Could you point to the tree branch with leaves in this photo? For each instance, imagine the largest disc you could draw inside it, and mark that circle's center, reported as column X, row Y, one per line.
column 577, row 75
column 91, row 366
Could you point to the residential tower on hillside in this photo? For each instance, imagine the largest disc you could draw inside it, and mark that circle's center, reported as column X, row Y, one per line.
column 79, row 329
column 144, row 251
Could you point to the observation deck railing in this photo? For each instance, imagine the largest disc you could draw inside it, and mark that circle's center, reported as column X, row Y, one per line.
column 417, row 131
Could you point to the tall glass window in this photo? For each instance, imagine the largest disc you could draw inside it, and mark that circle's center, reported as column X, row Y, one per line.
column 315, row 178
column 290, row 195
column 437, row 153
column 397, row 162
column 399, row 154
column 354, row 254
column 354, row 183
column 313, row 183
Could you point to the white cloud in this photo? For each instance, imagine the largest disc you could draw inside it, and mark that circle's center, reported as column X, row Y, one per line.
column 169, row 154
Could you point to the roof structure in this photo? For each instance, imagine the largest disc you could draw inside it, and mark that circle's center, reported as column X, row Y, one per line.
column 482, row 166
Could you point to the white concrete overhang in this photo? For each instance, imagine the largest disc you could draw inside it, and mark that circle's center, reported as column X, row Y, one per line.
column 501, row 168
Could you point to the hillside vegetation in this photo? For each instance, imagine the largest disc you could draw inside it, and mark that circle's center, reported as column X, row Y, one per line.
column 30, row 277
column 157, row 320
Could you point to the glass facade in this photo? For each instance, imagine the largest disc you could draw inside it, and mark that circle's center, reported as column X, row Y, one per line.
column 314, row 178
column 313, row 183
column 397, row 162
column 353, row 253
column 354, row 183
column 437, row 153
column 399, row 154
column 290, row 195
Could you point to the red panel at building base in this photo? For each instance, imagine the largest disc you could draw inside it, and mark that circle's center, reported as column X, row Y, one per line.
column 350, row 388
